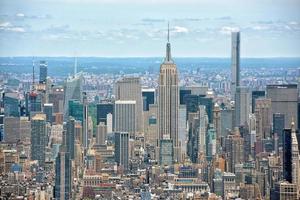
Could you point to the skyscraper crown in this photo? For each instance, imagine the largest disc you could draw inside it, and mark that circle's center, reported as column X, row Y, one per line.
column 168, row 58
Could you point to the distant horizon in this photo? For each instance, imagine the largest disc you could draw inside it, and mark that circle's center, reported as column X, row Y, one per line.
column 210, row 57
column 138, row 28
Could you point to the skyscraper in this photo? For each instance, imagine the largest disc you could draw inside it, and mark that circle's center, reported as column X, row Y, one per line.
column 263, row 117
column 43, row 71
column 73, row 90
column 235, row 62
column 242, row 106
column 285, row 101
column 148, row 97
column 11, row 104
column 63, row 176
column 48, row 111
column 122, row 149
column 101, row 133
column 38, row 138
column 168, row 101
column 103, row 109
column 278, row 126
column 125, row 117
column 129, row 88
column 295, row 158
column 70, row 137
column 12, row 129
column 255, row 95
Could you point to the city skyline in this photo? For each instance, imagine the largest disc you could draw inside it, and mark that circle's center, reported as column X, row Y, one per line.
column 198, row 29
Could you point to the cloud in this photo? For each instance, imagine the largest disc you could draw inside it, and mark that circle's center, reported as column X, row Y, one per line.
column 260, row 28
column 180, row 29
column 4, row 25
column 190, row 19
column 153, row 20
column 223, row 18
column 20, row 15
column 227, row 30
column 8, row 27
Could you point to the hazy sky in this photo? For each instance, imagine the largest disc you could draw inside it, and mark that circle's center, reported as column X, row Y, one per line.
column 199, row 28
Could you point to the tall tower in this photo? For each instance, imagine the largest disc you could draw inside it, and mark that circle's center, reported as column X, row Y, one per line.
column 43, row 71
column 295, row 158
column 168, row 103
column 235, row 62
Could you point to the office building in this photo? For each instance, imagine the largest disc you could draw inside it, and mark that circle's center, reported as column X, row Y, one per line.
column 12, row 130
column 38, row 138
column 122, row 149
column 235, row 62
column 182, row 93
column 11, row 104
column 48, row 111
column 168, row 101
column 76, row 110
column 234, row 148
column 63, row 176
column 103, row 109
column 129, row 89
column 148, row 97
column 278, row 126
column 242, row 106
column 101, row 133
column 284, row 191
column 166, row 154
column 256, row 94
column 229, row 185
column 86, row 123
column 70, row 137
column 72, row 91
column 263, row 115
column 284, row 99
column 182, row 132
column 56, row 97
column 43, row 72
column 295, row 158
column 125, row 117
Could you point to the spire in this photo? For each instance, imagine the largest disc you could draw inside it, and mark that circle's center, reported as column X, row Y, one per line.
column 75, row 66
column 168, row 58
column 33, row 83
column 168, row 32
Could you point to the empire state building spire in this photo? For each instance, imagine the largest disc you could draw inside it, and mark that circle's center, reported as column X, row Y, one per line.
column 168, row 58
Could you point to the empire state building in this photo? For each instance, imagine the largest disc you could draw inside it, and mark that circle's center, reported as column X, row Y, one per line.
column 168, row 104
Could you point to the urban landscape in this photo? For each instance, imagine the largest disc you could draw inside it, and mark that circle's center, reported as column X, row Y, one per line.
column 150, row 127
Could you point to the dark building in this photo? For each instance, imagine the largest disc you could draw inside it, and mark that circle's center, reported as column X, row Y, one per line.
column 148, row 98
column 102, row 110
column 278, row 126
column 70, row 137
column 76, row 110
column 33, row 103
column 48, row 111
column 255, row 95
column 63, row 169
column 209, row 106
column 287, row 155
column 193, row 101
column 182, row 94
column 43, row 71
column 11, row 105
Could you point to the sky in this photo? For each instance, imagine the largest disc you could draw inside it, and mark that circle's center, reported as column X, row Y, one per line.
column 137, row 28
